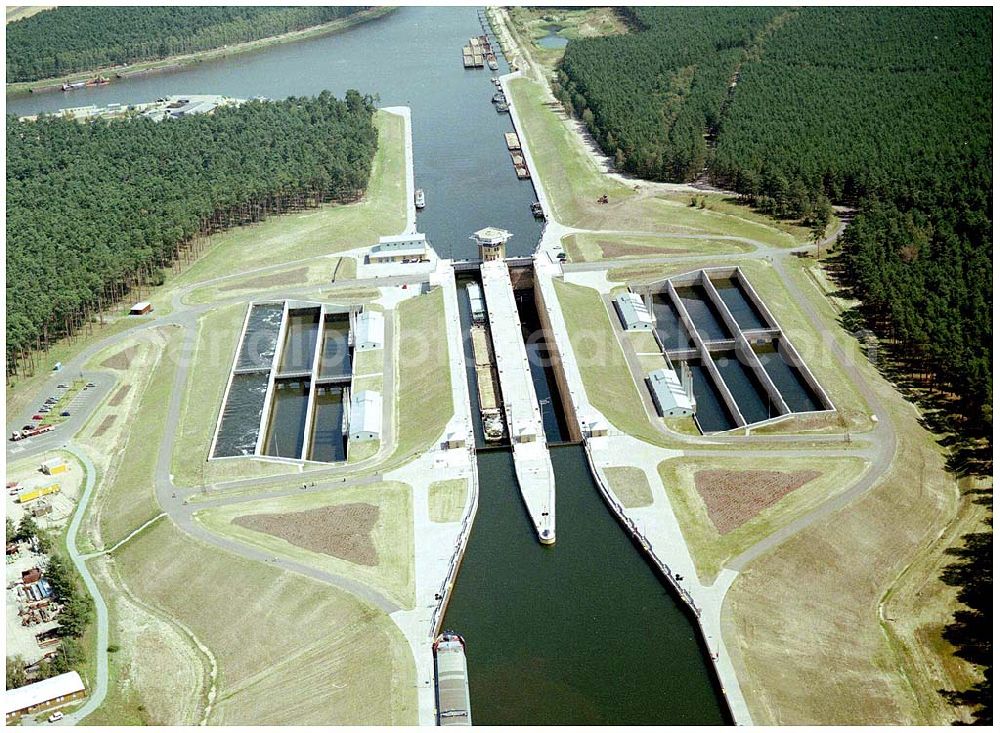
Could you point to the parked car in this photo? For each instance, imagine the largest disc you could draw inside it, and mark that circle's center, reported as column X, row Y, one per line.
column 28, row 427
column 56, row 716
column 44, row 408
column 62, row 386
column 37, row 417
column 90, row 384
column 64, row 413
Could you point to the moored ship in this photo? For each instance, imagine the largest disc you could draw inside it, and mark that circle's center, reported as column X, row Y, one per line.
column 452, row 680
column 418, row 198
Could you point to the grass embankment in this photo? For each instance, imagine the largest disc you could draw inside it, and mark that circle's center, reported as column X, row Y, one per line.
column 447, row 499
column 127, row 497
column 592, row 247
column 630, row 485
column 423, row 380
column 805, row 618
column 573, row 183
column 288, row 649
column 710, row 548
column 218, row 334
column 141, row 67
column 606, row 375
column 392, row 534
column 314, row 272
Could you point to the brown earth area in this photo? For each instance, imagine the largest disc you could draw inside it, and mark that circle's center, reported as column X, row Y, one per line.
column 734, row 497
column 106, row 423
column 292, row 277
column 122, row 360
column 118, row 396
column 617, row 249
column 343, row 531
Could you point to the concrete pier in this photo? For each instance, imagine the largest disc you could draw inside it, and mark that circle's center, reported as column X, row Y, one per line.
column 520, row 403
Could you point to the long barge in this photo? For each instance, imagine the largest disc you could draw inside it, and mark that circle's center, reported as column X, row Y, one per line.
column 494, row 429
column 451, row 680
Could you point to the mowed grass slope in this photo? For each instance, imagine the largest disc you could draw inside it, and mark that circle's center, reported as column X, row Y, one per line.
column 127, row 496
column 392, row 534
column 709, row 548
column 289, row 650
column 218, row 334
column 423, row 382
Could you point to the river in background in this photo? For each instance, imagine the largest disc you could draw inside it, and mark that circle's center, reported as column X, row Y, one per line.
column 581, row 632
column 411, row 57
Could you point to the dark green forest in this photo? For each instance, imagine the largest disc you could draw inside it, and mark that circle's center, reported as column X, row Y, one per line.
column 885, row 110
column 94, row 209
column 70, row 39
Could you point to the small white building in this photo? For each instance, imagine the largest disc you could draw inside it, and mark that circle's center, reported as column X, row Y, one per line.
column 400, row 248
column 634, row 314
column 141, row 308
column 366, row 415
column 593, row 426
column 369, row 330
column 42, row 695
column 669, row 395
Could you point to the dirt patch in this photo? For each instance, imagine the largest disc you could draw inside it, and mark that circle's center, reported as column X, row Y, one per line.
column 106, row 423
column 292, row 277
column 122, row 393
column 618, row 249
column 734, row 497
column 343, row 531
column 122, row 360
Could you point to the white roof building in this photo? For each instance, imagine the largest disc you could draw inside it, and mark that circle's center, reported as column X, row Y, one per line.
column 634, row 314
column 369, row 330
column 54, row 689
column 366, row 415
column 399, row 246
column 671, row 399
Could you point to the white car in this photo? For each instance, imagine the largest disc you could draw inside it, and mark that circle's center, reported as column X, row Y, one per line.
column 56, row 716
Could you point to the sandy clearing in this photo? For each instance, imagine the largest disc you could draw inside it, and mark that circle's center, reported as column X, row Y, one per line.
column 106, row 423
column 343, row 530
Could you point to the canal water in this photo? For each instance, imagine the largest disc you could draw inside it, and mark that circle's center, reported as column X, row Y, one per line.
column 581, row 632
column 744, row 312
column 788, row 379
column 240, row 424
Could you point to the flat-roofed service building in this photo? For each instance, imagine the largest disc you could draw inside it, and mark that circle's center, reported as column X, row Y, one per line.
column 369, row 330
column 42, row 695
column 399, row 247
column 634, row 314
column 669, row 395
column 366, row 415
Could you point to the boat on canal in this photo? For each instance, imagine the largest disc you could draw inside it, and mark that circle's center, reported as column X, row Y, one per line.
column 418, row 198
column 451, row 680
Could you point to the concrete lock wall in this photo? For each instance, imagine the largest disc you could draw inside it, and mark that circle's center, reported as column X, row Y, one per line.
column 569, row 413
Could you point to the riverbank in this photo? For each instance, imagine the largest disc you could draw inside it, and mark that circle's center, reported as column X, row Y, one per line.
column 173, row 63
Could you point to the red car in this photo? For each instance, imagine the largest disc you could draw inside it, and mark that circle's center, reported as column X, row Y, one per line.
column 37, row 417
